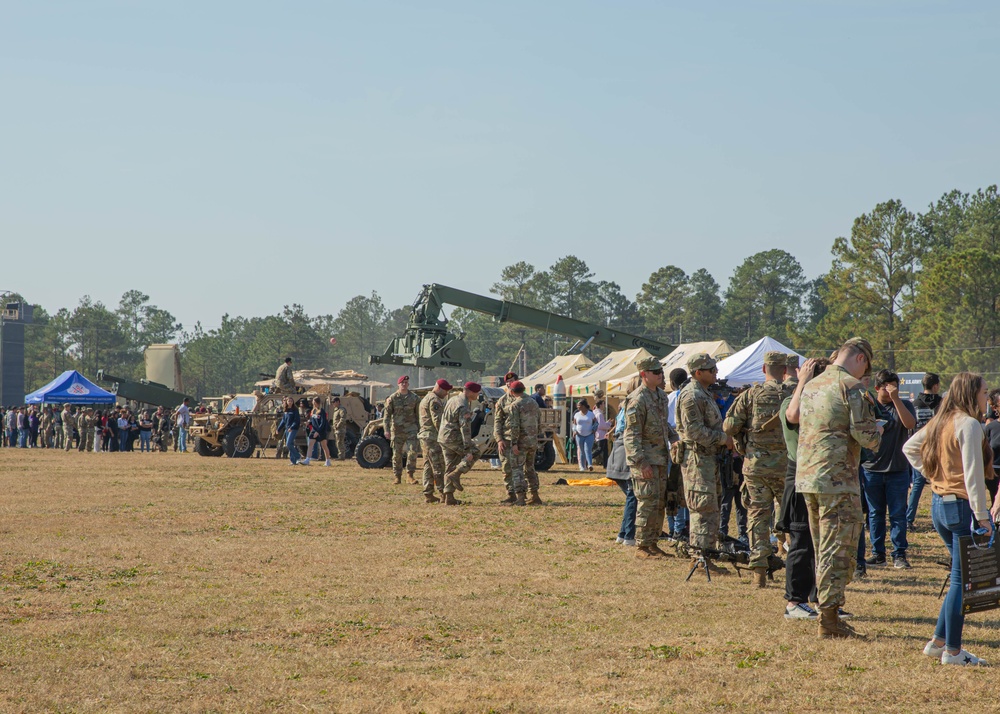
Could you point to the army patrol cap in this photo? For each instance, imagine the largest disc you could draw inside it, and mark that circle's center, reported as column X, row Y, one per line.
column 648, row 364
column 702, row 360
column 792, row 360
column 863, row 346
column 775, row 359
column 67, row 405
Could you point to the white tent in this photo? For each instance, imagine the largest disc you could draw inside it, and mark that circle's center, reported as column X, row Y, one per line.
column 677, row 358
column 746, row 366
column 610, row 370
column 566, row 365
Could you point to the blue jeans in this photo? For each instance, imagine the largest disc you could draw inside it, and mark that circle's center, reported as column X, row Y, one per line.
column 952, row 520
column 182, row 438
column 293, row 450
column 22, row 438
column 887, row 492
column 678, row 522
column 144, row 440
column 585, row 450
column 915, row 490
column 123, row 440
column 627, row 531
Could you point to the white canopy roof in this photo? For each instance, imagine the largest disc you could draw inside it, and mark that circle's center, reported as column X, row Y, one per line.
column 677, row 358
column 610, row 370
column 746, row 366
column 566, row 365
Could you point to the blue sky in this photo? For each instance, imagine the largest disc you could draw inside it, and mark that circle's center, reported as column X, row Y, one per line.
column 308, row 152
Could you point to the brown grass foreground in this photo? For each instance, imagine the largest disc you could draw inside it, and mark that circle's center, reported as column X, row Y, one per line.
column 137, row 582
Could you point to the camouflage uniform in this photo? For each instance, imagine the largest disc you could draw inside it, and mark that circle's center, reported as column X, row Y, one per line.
column 68, row 421
column 647, row 438
column 284, row 381
column 45, row 429
column 500, row 414
column 431, row 409
column 835, row 422
column 338, row 423
column 84, row 426
column 753, row 421
column 699, row 424
column 522, row 432
column 455, row 438
column 402, row 420
column 790, row 383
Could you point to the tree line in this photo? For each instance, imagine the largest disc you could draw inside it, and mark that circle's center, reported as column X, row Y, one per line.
column 923, row 287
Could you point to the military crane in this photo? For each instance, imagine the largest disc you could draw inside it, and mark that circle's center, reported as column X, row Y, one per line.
column 427, row 341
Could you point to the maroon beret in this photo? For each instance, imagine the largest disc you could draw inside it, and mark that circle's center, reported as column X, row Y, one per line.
column 400, row 380
column 516, row 386
column 443, row 384
column 473, row 387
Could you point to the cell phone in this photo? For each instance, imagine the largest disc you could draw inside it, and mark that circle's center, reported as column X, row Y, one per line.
column 882, row 422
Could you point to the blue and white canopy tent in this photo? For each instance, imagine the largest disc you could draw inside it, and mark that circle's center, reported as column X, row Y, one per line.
column 70, row 387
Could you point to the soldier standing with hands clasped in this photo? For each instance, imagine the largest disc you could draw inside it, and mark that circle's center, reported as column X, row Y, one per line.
column 754, row 423
column 402, row 422
column 835, row 422
column 647, row 438
column 522, row 433
column 699, row 423
column 500, row 411
column 431, row 409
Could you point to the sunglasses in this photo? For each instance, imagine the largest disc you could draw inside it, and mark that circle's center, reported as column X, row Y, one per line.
column 655, row 371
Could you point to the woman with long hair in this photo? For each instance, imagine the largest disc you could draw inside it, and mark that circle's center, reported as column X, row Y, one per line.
column 954, row 456
column 319, row 430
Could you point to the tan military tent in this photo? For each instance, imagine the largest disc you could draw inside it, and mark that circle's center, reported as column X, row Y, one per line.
column 678, row 358
column 610, row 370
column 566, row 365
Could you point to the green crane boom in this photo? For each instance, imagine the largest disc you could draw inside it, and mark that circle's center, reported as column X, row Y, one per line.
column 427, row 342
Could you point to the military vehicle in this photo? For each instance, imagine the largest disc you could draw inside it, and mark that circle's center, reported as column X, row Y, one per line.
column 374, row 451
column 245, row 422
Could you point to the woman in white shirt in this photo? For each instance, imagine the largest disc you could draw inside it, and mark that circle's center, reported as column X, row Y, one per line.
column 584, row 428
column 952, row 453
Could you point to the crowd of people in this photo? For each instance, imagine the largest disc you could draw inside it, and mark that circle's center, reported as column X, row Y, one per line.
column 816, row 457
column 810, row 459
column 116, row 428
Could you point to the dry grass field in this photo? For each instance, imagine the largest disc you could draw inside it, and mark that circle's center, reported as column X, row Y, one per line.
column 168, row 582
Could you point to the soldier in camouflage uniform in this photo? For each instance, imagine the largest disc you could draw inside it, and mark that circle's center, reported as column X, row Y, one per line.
column 45, row 428
column 835, row 423
column 500, row 410
column 791, row 380
column 84, row 425
column 647, row 438
column 523, row 422
column 455, row 438
column 402, row 422
column 755, row 425
column 284, row 381
column 699, row 424
column 338, row 424
column 431, row 409
column 68, row 424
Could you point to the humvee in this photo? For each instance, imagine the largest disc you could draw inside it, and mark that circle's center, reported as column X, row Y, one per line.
column 245, row 422
column 374, row 452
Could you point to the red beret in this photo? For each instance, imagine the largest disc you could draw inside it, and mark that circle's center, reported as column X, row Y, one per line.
column 473, row 387
column 400, row 380
column 509, row 377
column 443, row 384
column 516, row 386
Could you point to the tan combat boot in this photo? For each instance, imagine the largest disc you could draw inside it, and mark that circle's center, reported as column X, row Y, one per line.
column 410, row 477
column 645, row 552
column 519, row 501
column 450, row 500
column 660, row 550
column 830, row 625
column 760, row 577
column 431, row 498
column 509, row 501
column 399, row 478
column 534, row 500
